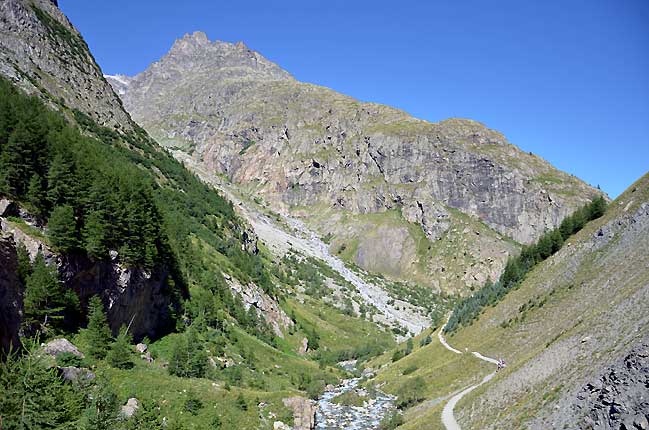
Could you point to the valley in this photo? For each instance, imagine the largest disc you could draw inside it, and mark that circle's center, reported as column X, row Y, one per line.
column 213, row 244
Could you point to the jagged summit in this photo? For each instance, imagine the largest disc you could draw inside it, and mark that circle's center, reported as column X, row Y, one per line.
column 195, row 52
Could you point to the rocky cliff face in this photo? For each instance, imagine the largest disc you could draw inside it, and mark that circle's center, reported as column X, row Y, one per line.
column 307, row 149
column 10, row 294
column 131, row 296
column 45, row 55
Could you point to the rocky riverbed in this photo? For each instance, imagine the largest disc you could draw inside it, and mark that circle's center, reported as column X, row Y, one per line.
column 334, row 416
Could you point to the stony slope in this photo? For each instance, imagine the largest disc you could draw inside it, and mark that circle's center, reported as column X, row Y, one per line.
column 45, row 55
column 574, row 335
column 341, row 164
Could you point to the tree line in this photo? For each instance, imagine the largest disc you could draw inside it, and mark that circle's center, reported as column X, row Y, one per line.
column 467, row 310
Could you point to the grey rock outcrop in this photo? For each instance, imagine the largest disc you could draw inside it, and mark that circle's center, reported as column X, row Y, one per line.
column 305, row 148
column 303, row 412
column 132, row 296
column 76, row 374
column 45, row 55
column 57, row 347
column 130, row 408
column 619, row 397
column 10, row 295
column 265, row 306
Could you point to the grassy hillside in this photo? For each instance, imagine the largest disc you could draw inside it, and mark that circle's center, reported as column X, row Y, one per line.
column 89, row 192
column 573, row 314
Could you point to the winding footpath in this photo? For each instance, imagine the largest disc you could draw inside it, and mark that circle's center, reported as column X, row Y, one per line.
column 448, row 419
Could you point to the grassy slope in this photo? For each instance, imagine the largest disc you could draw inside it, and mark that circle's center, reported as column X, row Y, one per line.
column 582, row 292
column 441, row 264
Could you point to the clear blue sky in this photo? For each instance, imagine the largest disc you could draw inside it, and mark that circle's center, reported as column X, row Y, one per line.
column 567, row 80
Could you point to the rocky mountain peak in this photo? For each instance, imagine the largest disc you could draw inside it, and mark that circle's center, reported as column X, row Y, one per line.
column 195, row 52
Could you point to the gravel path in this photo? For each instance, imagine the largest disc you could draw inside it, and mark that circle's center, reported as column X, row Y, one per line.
column 448, row 419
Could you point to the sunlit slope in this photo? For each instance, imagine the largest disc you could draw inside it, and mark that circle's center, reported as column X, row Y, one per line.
column 574, row 314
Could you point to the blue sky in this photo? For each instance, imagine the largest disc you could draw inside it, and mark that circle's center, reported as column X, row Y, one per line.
column 567, row 80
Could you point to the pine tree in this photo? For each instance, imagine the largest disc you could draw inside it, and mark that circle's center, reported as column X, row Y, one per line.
column 98, row 333
column 16, row 161
column 34, row 396
column 179, row 357
column 62, row 229
column 24, row 268
column 36, row 196
column 45, row 300
column 95, row 235
column 103, row 411
column 119, row 355
column 597, row 208
column 197, row 362
column 61, row 180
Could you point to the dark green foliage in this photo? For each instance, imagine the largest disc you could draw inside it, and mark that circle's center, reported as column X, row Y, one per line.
column 398, row 355
column 148, row 417
column 24, row 263
column 119, row 355
column 188, row 356
column 33, row 396
column 97, row 333
column 67, row 359
column 241, row 402
column 411, row 392
column 192, row 404
column 409, row 347
column 315, row 389
column 467, row 310
column 46, row 302
column 36, row 197
column 391, row 421
column 62, row 229
column 127, row 195
column 410, row 369
column 103, row 411
column 425, row 341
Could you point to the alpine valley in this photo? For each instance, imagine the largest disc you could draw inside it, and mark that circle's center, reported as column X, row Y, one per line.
column 212, row 244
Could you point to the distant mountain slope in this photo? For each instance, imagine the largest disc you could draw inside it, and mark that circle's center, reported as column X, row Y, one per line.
column 574, row 335
column 350, row 167
column 44, row 54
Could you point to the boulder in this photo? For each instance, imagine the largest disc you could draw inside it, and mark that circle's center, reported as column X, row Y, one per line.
column 303, row 412
column 59, row 346
column 8, row 208
column 73, row 374
column 141, row 348
column 130, row 408
column 304, row 346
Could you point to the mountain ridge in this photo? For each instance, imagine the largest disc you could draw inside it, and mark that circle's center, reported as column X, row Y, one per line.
column 309, row 151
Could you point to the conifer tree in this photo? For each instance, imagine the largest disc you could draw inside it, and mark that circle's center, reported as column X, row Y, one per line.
column 24, row 268
column 61, row 180
column 45, row 300
column 36, row 196
column 119, row 355
column 103, row 411
column 62, row 229
column 33, row 396
column 98, row 333
column 95, row 235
